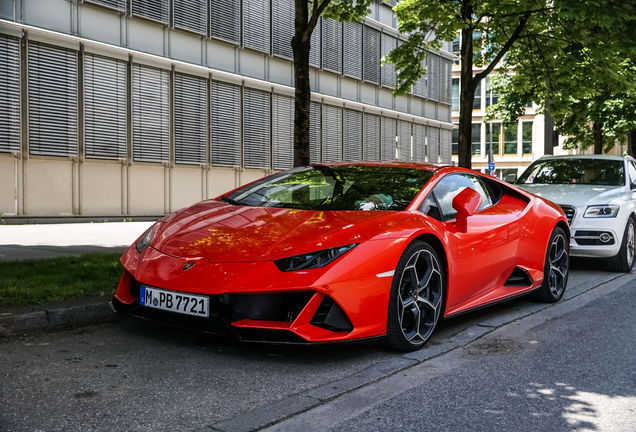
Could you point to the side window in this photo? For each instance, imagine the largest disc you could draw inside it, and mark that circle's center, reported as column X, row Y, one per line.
column 429, row 208
column 631, row 169
column 449, row 186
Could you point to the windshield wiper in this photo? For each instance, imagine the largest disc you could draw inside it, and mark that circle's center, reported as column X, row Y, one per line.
column 230, row 200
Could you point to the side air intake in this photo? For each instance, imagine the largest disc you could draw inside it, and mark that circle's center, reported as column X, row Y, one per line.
column 518, row 278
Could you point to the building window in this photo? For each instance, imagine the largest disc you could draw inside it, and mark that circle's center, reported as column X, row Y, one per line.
column 477, row 100
column 256, row 25
column 510, row 140
column 388, row 138
column 225, row 19
column 455, row 106
column 282, row 132
column 352, row 62
column 456, row 49
column 315, row 148
column 157, row 10
column 455, row 142
column 371, row 136
column 419, row 137
column 332, row 43
column 528, row 105
column 476, row 139
column 352, row 135
column 332, row 134
column 225, row 124
column 371, row 57
column 283, row 13
column 491, row 96
column 389, row 43
column 493, row 136
column 526, row 137
column 191, row 15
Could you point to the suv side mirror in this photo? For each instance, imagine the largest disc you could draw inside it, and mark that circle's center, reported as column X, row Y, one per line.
column 466, row 203
column 511, row 178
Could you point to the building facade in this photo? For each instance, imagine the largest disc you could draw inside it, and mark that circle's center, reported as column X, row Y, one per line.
column 114, row 108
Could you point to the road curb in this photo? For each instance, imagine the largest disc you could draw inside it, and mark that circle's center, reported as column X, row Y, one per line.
column 50, row 315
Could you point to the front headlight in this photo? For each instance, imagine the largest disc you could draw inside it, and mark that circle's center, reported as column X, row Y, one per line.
column 144, row 240
column 601, row 211
column 312, row 260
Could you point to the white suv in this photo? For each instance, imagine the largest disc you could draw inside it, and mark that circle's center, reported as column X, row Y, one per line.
column 598, row 195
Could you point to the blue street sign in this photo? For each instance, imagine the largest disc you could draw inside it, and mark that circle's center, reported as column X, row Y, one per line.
column 491, row 166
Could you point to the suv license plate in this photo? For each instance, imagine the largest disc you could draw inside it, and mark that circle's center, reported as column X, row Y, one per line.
column 174, row 301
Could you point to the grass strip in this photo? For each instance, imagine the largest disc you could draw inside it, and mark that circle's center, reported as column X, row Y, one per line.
column 32, row 282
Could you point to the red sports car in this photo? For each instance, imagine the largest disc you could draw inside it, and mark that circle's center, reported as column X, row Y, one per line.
column 346, row 251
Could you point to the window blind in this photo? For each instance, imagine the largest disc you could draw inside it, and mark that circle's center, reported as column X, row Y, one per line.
column 9, row 94
column 282, row 132
column 371, row 136
column 105, row 115
column 114, row 4
column 225, row 20
column 52, row 100
column 404, row 140
column 332, row 45
column 190, row 119
column 256, row 128
column 419, row 137
column 315, row 148
column 388, row 139
column 256, row 25
column 314, row 52
column 371, row 56
column 332, row 134
column 151, row 114
column 352, row 59
column 191, row 15
column 225, row 124
column 433, row 144
column 157, row 10
column 389, row 43
column 352, row 135
column 283, row 13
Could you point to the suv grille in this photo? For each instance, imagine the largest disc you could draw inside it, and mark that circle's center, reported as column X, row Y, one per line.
column 569, row 212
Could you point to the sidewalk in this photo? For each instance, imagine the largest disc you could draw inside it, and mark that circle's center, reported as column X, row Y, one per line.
column 22, row 242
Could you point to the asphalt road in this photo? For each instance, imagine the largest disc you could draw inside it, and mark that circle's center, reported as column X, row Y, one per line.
column 138, row 376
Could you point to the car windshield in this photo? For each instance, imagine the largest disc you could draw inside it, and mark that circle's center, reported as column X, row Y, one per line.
column 335, row 188
column 575, row 171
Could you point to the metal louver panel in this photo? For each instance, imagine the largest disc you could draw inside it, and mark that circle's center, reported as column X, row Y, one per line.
column 9, row 94
column 332, row 45
column 420, row 86
column 446, row 78
column 419, row 140
column 190, row 119
column 225, row 20
column 388, row 139
column 389, row 43
column 371, row 137
column 105, row 114
column 404, row 140
column 433, row 77
column 433, row 144
column 191, row 15
column 114, row 4
column 256, row 128
column 371, row 55
column 282, row 132
column 52, row 100
column 315, row 149
column 445, row 146
column 352, row 58
column 225, row 124
column 157, row 10
column 256, row 25
column 283, row 14
column 314, row 52
column 352, row 135
column 332, row 134
column 151, row 114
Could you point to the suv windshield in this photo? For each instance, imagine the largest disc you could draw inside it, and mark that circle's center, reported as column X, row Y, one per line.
column 575, row 171
column 335, row 188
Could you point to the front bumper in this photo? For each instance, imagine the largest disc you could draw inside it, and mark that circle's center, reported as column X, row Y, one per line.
column 587, row 235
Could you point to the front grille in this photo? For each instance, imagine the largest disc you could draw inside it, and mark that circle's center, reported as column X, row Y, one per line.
column 569, row 211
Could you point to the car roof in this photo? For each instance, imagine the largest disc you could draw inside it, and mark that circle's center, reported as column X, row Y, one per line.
column 585, row 156
column 411, row 165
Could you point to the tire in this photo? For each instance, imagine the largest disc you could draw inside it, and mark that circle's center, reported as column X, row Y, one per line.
column 624, row 260
column 556, row 268
column 417, row 298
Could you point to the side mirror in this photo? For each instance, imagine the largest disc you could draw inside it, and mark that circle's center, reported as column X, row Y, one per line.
column 466, row 203
column 511, row 178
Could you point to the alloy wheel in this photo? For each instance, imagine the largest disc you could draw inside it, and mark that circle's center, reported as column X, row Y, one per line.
column 419, row 297
column 559, row 263
column 630, row 244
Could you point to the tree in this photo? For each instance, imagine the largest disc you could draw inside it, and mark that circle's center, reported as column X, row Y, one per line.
column 307, row 13
column 581, row 64
column 488, row 28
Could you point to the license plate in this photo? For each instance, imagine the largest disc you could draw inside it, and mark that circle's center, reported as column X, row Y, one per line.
column 174, row 301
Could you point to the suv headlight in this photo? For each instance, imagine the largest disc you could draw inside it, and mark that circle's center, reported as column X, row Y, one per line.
column 144, row 240
column 601, row 211
column 312, row 260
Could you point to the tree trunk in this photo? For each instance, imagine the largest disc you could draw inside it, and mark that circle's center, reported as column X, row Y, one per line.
column 467, row 85
column 598, row 137
column 631, row 143
column 301, row 44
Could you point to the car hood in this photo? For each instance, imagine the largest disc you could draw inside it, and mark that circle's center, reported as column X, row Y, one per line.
column 227, row 233
column 574, row 194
